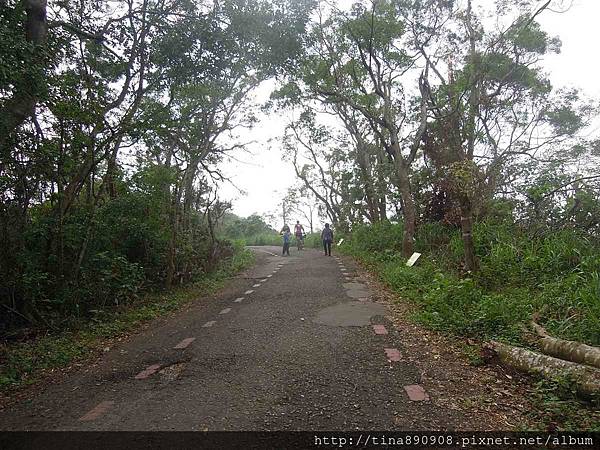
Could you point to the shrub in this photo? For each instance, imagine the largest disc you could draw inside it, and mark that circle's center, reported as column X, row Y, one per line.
column 520, row 273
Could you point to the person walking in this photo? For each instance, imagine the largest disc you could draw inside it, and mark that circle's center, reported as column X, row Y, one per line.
column 327, row 238
column 287, row 236
column 299, row 233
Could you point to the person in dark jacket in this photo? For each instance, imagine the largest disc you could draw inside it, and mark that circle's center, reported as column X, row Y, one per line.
column 287, row 236
column 327, row 238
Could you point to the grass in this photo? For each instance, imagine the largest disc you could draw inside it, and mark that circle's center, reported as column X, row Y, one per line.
column 555, row 275
column 263, row 239
column 555, row 406
column 25, row 363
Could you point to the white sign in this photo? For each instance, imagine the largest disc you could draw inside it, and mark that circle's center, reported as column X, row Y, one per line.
column 413, row 259
column 340, row 241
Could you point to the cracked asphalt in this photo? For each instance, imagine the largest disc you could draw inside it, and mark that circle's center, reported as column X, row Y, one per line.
column 297, row 353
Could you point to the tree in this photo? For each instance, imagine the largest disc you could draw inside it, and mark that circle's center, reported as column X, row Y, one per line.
column 358, row 62
column 489, row 103
column 114, row 106
column 302, row 202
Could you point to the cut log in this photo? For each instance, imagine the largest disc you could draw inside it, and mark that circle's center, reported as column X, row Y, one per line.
column 587, row 379
column 568, row 350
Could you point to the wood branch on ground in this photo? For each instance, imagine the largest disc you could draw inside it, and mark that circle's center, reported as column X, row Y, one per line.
column 569, row 350
column 586, row 379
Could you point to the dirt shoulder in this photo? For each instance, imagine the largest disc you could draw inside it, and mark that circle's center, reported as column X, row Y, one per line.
column 453, row 373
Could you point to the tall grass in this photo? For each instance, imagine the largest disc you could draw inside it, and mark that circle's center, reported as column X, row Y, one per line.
column 554, row 275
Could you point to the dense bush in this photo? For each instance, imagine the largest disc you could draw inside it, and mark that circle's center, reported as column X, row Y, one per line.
column 555, row 275
column 100, row 256
column 24, row 362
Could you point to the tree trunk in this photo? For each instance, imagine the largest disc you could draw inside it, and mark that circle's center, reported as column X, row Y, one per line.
column 22, row 104
column 174, row 223
column 568, row 350
column 188, row 189
column 466, row 225
column 381, row 184
column 170, row 274
column 330, row 209
column 382, row 209
column 409, row 211
column 362, row 159
column 172, row 214
column 587, row 379
column 466, row 213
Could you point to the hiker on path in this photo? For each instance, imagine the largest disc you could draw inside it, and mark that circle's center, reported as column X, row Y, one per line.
column 287, row 236
column 299, row 233
column 327, row 238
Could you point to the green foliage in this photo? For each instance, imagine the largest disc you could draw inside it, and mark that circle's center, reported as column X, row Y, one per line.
column 248, row 228
column 556, row 405
column 264, row 239
column 110, row 140
column 125, row 256
column 556, row 275
column 25, row 362
column 313, row 240
column 380, row 237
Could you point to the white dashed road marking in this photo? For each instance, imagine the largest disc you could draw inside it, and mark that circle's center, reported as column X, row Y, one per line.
column 225, row 311
column 239, row 299
column 249, row 291
column 209, row 324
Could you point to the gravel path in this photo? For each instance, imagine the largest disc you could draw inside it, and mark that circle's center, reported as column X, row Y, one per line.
column 288, row 345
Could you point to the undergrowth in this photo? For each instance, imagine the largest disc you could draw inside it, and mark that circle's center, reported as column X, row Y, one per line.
column 555, row 275
column 557, row 407
column 25, row 362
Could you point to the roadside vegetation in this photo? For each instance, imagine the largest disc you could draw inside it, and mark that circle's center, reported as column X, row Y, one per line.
column 310, row 241
column 520, row 274
column 29, row 360
column 555, row 275
column 433, row 117
column 254, row 230
column 115, row 119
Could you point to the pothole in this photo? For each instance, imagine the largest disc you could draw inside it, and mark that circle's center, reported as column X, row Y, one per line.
column 357, row 290
column 351, row 314
column 171, row 372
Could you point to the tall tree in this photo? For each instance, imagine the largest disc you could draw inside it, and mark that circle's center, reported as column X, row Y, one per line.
column 359, row 61
column 489, row 101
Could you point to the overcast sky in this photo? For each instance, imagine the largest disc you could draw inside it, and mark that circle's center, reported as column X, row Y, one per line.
column 265, row 177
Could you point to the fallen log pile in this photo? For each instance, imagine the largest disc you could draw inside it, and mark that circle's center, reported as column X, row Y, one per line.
column 560, row 359
column 567, row 350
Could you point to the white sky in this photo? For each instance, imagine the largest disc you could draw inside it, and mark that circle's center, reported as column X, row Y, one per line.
column 265, row 177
